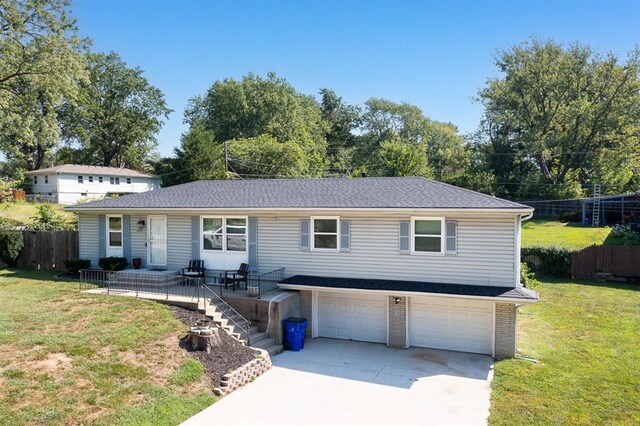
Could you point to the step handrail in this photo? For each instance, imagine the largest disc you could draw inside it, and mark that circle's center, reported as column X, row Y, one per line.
column 227, row 307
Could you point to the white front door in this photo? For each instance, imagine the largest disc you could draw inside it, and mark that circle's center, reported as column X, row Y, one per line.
column 352, row 316
column 454, row 324
column 157, row 240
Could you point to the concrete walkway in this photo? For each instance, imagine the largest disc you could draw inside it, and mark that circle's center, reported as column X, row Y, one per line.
column 340, row 382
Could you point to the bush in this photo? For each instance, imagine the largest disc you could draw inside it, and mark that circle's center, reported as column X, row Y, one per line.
column 574, row 217
column 527, row 276
column 11, row 244
column 113, row 263
column 549, row 260
column 626, row 234
column 10, row 224
column 48, row 220
column 74, row 265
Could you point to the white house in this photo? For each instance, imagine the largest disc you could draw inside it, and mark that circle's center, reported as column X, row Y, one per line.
column 70, row 183
column 401, row 261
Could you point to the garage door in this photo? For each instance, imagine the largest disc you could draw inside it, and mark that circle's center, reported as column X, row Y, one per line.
column 352, row 316
column 452, row 324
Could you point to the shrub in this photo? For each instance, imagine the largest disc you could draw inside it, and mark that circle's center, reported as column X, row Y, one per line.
column 113, row 263
column 11, row 244
column 48, row 220
column 10, row 224
column 627, row 235
column 75, row 265
column 549, row 260
column 571, row 217
column 527, row 276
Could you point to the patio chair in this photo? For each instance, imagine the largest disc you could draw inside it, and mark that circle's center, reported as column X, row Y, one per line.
column 195, row 269
column 238, row 277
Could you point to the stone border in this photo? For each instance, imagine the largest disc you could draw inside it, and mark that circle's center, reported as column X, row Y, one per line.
column 244, row 374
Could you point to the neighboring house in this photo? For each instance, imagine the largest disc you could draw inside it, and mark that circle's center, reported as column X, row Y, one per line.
column 402, row 261
column 70, row 183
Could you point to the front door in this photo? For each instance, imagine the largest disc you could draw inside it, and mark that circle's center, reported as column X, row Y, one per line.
column 157, row 240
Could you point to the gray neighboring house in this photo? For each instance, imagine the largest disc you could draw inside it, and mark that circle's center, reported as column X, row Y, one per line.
column 400, row 261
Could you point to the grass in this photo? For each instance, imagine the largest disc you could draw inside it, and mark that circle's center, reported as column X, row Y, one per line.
column 72, row 358
column 585, row 337
column 23, row 211
column 546, row 232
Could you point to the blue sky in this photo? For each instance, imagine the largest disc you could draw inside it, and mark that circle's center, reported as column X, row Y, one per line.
column 435, row 55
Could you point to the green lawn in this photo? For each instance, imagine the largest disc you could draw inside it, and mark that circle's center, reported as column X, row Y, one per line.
column 586, row 338
column 71, row 358
column 546, row 232
column 23, row 211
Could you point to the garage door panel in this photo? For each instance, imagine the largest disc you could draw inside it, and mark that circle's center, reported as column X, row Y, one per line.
column 352, row 316
column 451, row 324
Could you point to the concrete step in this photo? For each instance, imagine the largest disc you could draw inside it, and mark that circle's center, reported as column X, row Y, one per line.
column 273, row 349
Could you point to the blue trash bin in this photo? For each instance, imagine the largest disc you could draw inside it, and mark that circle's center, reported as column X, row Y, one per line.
column 295, row 330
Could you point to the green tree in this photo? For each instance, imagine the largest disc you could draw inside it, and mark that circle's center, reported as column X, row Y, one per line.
column 395, row 158
column 41, row 64
column 117, row 117
column 341, row 122
column 46, row 219
column 256, row 106
column 264, row 156
column 561, row 117
column 198, row 157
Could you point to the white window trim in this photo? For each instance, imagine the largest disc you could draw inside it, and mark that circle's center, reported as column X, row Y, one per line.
column 312, row 234
column 109, row 246
column 224, row 234
column 443, row 238
column 166, row 237
column 446, row 237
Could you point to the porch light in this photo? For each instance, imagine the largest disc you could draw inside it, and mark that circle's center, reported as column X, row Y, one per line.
column 396, row 299
column 141, row 224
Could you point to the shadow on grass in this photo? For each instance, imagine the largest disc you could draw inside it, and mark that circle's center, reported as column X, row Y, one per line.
column 33, row 274
column 591, row 283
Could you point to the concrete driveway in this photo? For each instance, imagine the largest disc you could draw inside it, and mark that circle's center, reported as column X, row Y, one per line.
column 341, row 382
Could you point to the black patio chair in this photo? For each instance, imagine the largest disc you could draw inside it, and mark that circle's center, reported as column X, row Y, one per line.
column 238, row 277
column 195, row 269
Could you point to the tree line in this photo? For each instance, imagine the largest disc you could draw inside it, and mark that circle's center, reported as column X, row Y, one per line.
column 556, row 120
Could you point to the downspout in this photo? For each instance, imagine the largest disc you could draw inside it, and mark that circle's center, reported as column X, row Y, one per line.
column 520, row 218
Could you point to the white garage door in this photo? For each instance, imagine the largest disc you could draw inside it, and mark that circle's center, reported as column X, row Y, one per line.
column 352, row 316
column 453, row 324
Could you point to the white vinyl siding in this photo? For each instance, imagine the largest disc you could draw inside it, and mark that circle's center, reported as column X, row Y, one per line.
column 485, row 252
column 178, row 241
column 88, row 238
column 139, row 239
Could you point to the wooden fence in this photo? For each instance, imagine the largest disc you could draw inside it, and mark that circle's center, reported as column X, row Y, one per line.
column 48, row 249
column 616, row 260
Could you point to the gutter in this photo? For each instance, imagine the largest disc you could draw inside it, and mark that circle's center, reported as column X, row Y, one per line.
column 514, row 300
column 98, row 209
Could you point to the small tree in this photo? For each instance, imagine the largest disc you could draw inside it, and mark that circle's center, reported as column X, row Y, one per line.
column 11, row 244
column 48, row 220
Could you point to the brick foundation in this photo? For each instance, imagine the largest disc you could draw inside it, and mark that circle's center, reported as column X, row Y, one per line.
column 397, row 322
column 505, row 338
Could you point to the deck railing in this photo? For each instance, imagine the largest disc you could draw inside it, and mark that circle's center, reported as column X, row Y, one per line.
column 140, row 283
column 257, row 284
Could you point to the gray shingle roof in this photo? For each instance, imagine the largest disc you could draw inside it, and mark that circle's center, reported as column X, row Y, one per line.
column 79, row 169
column 519, row 293
column 387, row 192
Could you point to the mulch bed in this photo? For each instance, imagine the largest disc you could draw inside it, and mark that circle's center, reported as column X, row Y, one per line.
column 220, row 361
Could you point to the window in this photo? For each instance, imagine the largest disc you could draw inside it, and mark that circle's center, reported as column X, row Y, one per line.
column 112, row 180
column 35, row 180
column 91, row 179
column 46, row 178
column 80, row 180
column 128, row 181
column 427, row 235
column 325, row 233
column 83, row 194
column 224, row 234
column 117, row 181
column 114, row 228
column 100, row 179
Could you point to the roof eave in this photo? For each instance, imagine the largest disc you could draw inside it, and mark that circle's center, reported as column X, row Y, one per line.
column 519, row 301
column 98, row 209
